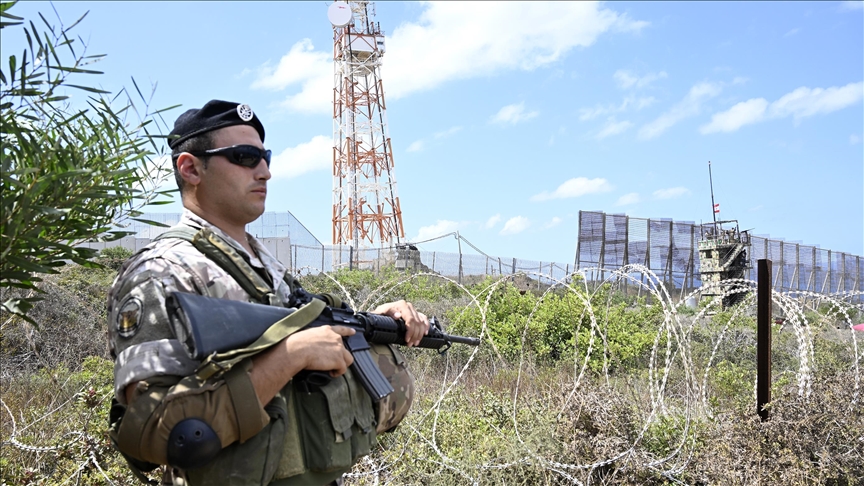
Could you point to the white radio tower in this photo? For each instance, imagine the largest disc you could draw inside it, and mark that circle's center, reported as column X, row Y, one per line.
column 366, row 209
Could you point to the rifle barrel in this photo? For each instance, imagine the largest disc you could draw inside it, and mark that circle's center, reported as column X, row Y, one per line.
column 471, row 341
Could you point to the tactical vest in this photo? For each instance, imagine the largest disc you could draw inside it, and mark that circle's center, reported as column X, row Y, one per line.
column 315, row 434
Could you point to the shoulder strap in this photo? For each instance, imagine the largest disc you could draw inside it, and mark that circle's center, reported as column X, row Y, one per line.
column 218, row 364
column 181, row 232
column 224, row 255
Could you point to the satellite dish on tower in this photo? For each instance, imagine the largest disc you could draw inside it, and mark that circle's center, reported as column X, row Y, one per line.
column 339, row 14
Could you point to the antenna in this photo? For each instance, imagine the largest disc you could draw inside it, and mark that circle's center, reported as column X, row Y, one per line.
column 366, row 210
column 339, row 14
column 713, row 206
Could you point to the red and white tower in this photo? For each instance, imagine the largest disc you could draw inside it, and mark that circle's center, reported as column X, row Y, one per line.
column 366, row 211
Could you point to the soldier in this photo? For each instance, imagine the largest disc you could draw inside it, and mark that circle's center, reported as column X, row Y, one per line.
column 247, row 422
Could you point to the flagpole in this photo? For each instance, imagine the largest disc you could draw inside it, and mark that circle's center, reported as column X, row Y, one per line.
column 713, row 206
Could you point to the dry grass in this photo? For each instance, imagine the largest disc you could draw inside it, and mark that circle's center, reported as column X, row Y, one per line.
column 482, row 420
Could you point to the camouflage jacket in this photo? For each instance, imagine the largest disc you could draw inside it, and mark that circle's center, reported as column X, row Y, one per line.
column 140, row 338
column 294, row 424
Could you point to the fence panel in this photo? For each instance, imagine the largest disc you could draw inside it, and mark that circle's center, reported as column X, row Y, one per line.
column 608, row 242
column 670, row 250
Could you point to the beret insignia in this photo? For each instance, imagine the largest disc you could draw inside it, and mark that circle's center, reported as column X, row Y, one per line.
column 129, row 317
column 245, row 112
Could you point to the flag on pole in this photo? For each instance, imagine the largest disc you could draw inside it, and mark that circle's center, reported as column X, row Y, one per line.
column 716, row 208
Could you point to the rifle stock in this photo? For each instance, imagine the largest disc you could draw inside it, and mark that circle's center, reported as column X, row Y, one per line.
column 206, row 325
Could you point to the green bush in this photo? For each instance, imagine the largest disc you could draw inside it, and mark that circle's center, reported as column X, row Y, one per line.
column 353, row 282
column 113, row 257
column 558, row 326
column 115, row 253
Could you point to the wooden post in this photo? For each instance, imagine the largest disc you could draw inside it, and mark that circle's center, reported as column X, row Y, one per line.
column 763, row 337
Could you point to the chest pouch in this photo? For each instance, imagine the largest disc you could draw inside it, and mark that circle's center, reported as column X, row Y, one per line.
column 324, row 428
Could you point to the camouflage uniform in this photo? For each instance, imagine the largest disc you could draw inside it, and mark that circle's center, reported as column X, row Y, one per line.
column 146, row 351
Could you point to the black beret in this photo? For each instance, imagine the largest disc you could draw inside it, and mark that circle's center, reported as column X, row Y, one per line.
column 214, row 115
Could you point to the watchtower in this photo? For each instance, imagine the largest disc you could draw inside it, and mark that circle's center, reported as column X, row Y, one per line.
column 723, row 255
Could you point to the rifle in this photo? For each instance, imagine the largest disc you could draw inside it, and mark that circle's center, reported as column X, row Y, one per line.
column 206, row 325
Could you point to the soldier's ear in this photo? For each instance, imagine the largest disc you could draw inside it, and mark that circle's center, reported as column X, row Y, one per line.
column 189, row 167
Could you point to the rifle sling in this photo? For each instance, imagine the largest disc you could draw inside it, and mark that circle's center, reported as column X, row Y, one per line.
column 224, row 255
column 222, row 362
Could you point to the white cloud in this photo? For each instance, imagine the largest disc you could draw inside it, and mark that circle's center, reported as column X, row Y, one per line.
column 851, row 5
column 576, row 187
column 311, row 69
column 491, row 222
column 415, row 146
column 627, row 79
column 671, row 193
column 470, row 34
column 613, row 128
column 513, row 114
column 515, row 225
column 627, row 103
column 591, row 113
column 447, row 133
column 440, row 228
column 645, row 102
column 744, row 113
column 688, row 107
column 627, row 199
column 555, row 221
column 804, row 102
column 316, row 154
column 854, row 139
column 800, row 103
column 792, row 32
column 419, row 145
column 739, row 80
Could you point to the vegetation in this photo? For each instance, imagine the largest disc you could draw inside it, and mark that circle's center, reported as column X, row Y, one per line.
column 570, row 385
column 659, row 397
column 72, row 168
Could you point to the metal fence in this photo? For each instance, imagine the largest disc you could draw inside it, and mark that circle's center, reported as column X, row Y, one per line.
column 670, row 249
column 449, row 264
column 268, row 225
column 295, row 246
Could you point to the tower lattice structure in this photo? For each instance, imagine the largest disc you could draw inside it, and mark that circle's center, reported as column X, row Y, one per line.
column 366, row 211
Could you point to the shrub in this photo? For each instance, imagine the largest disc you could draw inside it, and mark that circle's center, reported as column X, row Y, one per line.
column 524, row 419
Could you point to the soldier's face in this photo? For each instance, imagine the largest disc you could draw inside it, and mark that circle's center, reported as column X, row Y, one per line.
column 234, row 192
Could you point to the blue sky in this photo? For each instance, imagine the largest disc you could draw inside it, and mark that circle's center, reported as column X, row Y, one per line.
column 508, row 118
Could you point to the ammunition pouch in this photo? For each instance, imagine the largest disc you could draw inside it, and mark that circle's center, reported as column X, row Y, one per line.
column 329, row 428
column 138, row 467
column 315, row 433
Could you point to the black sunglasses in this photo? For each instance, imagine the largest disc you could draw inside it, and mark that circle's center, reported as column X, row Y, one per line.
column 245, row 155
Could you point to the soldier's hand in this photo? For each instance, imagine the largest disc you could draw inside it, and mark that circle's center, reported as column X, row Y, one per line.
column 416, row 323
column 322, row 349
